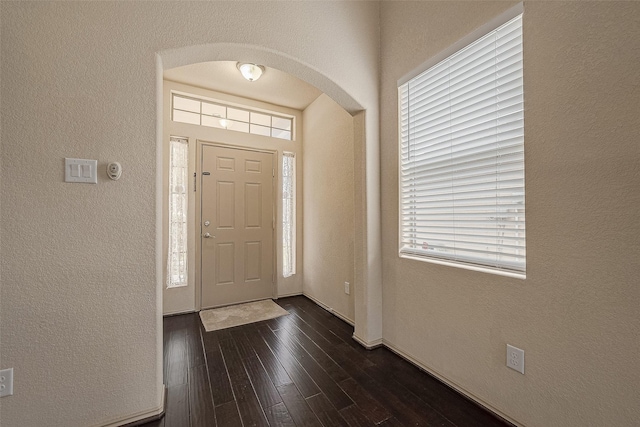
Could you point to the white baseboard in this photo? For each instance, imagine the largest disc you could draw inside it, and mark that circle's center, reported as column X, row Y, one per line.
column 369, row 345
column 293, row 294
column 330, row 310
column 414, row 361
column 343, row 318
column 144, row 415
column 176, row 313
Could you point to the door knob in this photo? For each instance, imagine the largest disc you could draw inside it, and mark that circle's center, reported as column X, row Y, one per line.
column 207, row 235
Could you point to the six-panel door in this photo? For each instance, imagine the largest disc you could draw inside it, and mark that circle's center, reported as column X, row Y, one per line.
column 236, row 225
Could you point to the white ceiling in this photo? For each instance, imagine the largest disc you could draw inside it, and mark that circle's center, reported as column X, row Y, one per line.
column 275, row 86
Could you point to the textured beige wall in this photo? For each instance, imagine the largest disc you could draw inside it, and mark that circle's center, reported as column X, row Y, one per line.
column 328, row 205
column 80, row 298
column 576, row 314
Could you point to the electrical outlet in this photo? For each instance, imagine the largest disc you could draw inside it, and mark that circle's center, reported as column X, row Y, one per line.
column 347, row 289
column 515, row 358
column 6, row 382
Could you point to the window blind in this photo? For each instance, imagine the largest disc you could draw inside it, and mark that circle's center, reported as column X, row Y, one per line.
column 177, row 254
column 462, row 156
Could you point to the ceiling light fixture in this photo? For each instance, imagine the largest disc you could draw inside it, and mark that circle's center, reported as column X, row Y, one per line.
column 251, row 72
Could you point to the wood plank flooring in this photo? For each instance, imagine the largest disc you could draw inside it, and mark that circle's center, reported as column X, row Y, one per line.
column 303, row 369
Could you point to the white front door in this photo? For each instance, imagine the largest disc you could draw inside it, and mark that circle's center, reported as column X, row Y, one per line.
column 237, row 225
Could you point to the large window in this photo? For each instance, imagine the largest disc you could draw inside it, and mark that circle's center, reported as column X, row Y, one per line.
column 461, row 172
column 288, row 214
column 177, row 253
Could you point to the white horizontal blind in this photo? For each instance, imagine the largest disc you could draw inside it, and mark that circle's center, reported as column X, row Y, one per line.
column 462, row 156
column 177, row 263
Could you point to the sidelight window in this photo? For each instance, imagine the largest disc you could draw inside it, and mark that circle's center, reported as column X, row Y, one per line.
column 178, row 178
column 288, row 214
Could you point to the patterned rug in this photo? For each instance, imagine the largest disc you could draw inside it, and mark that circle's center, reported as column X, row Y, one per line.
column 241, row 314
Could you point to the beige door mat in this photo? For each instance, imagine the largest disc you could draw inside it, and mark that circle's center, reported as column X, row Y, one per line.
column 241, row 314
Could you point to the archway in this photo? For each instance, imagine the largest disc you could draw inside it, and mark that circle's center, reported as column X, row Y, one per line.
column 245, row 53
column 367, row 283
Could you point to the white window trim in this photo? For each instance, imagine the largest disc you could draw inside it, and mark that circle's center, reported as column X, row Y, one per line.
column 460, row 44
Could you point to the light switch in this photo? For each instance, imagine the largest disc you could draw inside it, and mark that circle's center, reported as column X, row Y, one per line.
column 80, row 170
column 6, row 382
column 86, row 171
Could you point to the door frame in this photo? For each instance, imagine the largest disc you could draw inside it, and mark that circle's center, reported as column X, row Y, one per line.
column 198, row 212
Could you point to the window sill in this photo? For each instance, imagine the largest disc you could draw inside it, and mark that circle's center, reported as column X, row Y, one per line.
column 176, row 286
column 465, row 266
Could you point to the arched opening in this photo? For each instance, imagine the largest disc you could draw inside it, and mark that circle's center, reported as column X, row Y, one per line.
column 364, row 181
column 257, row 54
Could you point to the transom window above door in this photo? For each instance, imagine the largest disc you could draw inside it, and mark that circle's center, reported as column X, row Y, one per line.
column 197, row 111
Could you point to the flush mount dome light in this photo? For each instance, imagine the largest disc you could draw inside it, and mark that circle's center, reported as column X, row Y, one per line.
column 250, row 72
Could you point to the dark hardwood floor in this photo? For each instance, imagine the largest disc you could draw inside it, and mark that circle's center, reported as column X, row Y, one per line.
column 303, row 369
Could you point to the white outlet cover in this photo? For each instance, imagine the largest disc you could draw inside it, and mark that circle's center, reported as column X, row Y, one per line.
column 6, row 382
column 347, row 289
column 515, row 358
